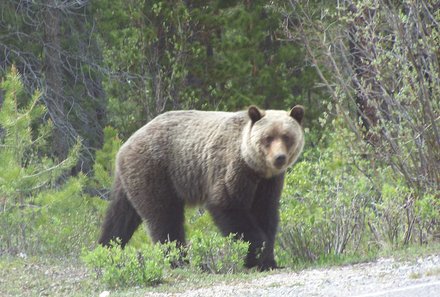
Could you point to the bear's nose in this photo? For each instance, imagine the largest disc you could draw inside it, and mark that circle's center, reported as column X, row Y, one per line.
column 280, row 160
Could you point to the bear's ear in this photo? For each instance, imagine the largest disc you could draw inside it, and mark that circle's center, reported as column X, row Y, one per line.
column 297, row 113
column 255, row 114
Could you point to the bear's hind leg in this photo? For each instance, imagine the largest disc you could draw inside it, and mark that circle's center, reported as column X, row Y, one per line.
column 162, row 211
column 166, row 224
column 121, row 219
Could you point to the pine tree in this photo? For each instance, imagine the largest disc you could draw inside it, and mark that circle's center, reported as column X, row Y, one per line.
column 26, row 170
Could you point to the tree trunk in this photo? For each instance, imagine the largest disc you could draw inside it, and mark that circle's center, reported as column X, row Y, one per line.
column 54, row 98
column 364, row 80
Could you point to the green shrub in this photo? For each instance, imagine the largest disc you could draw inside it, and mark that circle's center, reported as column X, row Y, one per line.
column 384, row 93
column 198, row 219
column 216, row 254
column 119, row 267
column 145, row 266
column 388, row 216
column 68, row 220
column 324, row 203
column 56, row 222
column 338, row 202
column 427, row 211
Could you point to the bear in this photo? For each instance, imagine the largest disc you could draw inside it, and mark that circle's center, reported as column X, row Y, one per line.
column 230, row 163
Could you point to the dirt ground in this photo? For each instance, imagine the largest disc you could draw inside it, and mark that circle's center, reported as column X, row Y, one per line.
column 385, row 277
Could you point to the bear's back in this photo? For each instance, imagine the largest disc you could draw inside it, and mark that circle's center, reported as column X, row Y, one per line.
column 192, row 148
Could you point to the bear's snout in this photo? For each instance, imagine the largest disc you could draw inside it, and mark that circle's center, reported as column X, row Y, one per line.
column 280, row 160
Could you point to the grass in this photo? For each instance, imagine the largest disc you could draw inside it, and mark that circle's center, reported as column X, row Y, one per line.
column 42, row 276
column 38, row 276
column 410, row 252
column 406, row 253
column 433, row 272
column 415, row 275
column 46, row 276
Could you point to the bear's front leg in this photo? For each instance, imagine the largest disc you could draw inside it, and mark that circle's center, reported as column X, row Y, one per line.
column 241, row 223
column 265, row 209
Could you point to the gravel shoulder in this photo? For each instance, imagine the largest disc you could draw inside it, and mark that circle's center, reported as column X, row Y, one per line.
column 384, row 277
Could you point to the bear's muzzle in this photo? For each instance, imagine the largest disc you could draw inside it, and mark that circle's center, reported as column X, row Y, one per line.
column 280, row 161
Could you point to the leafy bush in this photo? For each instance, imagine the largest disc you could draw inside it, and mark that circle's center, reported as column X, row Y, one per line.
column 381, row 68
column 214, row 253
column 324, row 204
column 427, row 212
column 119, row 267
column 145, row 266
column 336, row 202
column 199, row 220
column 56, row 222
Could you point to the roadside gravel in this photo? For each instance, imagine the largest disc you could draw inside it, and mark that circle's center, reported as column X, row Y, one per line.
column 384, row 277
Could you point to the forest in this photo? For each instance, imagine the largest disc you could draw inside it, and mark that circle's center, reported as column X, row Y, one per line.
column 78, row 77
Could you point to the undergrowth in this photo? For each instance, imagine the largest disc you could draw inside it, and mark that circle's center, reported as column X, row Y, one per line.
column 145, row 266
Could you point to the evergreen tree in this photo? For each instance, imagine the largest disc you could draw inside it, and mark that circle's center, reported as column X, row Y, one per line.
column 26, row 168
column 24, row 144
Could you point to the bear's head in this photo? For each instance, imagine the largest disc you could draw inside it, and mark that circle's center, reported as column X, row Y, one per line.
column 272, row 140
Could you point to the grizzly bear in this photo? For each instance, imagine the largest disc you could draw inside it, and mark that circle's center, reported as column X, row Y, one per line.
column 232, row 164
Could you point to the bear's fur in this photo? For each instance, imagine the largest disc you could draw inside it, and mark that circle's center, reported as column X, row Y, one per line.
column 233, row 164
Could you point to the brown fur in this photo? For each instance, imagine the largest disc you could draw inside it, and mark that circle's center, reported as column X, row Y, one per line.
column 231, row 163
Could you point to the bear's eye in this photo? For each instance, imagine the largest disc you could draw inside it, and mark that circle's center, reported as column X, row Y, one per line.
column 287, row 140
column 268, row 140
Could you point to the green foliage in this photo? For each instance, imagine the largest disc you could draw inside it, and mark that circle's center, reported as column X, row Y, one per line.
column 199, row 220
column 209, row 251
column 56, row 222
column 146, row 266
column 119, row 267
column 140, row 237
column 427, row 214
column 105, row 159
column 338, row 203
column 428, row 208
column 324, row 204
column 68, row 219
column 22, row 144
column 372, row 181
column 214, row 253
column 346, row 196
column 37, row 215
column 388, row 216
